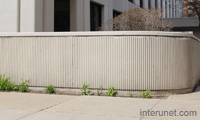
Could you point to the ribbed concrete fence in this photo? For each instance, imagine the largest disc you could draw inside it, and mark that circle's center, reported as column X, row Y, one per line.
column 131, row 61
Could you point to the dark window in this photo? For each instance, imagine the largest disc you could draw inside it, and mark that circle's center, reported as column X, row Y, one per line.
column 149, row 4
column 116, row 13
column 156, row 3
column 131, row 1
column 170, row 10
column 141, row 3
column 95, row 16
column 61, row 15
column 161, row 6
column 165, row 9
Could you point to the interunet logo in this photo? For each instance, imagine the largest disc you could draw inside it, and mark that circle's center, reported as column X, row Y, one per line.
column 167, row 113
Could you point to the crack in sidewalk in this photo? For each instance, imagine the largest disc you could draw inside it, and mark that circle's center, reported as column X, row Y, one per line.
column 43, row 109
column 152, row 107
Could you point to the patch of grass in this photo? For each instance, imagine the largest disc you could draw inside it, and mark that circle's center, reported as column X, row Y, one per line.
column 146, row 94
column 85, row 90
column 24, row 86
column 50, row 89
column 111, row 91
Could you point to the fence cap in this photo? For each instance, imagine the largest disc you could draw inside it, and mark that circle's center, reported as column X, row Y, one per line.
column 104, row 33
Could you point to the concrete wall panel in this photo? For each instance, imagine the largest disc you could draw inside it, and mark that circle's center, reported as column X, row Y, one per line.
column 130, row 61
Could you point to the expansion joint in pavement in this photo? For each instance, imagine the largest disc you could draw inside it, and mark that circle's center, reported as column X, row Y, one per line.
column 27, row 115
column 42, row 110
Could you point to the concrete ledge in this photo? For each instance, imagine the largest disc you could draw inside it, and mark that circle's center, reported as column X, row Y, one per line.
column 107, row 33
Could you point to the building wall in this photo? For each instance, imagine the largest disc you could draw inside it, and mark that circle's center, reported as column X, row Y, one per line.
column 48, row 13
column 9, row 14
column 38, row 15
column 26, row 15
column 80, row 12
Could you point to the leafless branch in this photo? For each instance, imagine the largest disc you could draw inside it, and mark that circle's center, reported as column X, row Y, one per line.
column 138, row 20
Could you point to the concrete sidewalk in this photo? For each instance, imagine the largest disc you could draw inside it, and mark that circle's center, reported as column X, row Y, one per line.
column 26, row 106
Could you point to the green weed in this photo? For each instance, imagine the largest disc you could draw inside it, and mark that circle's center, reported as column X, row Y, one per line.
column 50, row 89
column 111, row 91
column 131, row 94
column 6, row 84
column 24, row 86
column 85, row 90
column 146, row 94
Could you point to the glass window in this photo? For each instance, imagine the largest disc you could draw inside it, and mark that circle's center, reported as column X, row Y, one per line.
column 156, row 3
column 116, row 13
column 149, row 4
column 165, row 9
column 95, row 16
column 131, row 1
column 61, row 15
column 141, row 3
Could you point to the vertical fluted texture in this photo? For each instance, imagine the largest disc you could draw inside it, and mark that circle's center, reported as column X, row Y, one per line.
column 127, row 62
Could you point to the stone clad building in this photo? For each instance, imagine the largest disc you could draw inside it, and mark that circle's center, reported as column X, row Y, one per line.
column 71, row 15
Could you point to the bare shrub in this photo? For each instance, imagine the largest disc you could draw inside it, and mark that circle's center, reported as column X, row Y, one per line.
column 137, row 20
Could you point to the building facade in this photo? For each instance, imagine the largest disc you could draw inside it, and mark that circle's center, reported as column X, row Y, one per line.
column 72, row 15
column 170, row 8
